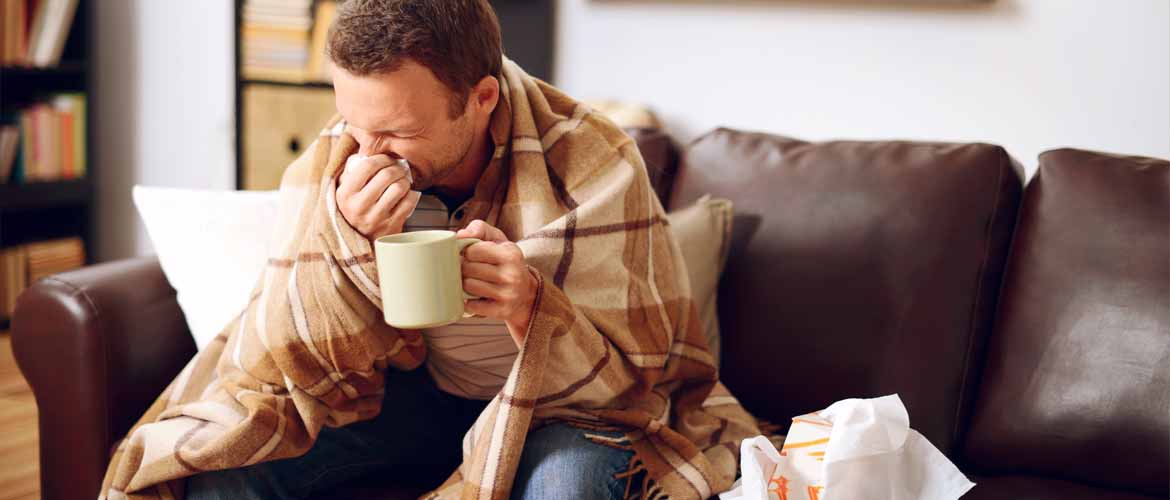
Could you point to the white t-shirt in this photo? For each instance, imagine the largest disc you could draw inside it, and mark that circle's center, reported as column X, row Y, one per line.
column 472, row 357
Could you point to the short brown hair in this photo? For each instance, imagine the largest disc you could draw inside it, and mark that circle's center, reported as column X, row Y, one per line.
column 458, row 40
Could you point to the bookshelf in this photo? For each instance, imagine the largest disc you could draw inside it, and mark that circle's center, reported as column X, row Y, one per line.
column 277, row 118
column 37, row 211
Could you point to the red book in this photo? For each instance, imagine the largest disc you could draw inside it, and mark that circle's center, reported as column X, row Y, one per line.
column 66, row 147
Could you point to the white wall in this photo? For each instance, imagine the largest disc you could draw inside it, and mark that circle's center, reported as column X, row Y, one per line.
column 163, row 108
column 1030, row 75
column 1027, row 74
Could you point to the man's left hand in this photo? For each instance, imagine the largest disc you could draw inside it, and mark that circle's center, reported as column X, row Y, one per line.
column 496, row 271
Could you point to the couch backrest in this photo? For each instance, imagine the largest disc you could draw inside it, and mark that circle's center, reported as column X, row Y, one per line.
column 857, row 269
column 660, row 156
column 1077, row 380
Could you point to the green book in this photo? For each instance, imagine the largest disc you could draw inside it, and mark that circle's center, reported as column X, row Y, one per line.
column 80, row 128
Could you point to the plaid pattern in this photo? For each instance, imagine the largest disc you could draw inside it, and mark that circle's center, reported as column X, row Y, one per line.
column 614, row 343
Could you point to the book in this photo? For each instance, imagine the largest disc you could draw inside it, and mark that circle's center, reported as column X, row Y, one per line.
column 25, row 264
column 275, row 39
column 49, row 43
column 68, row 108
column 38, row 13
column 51, row 132
column 51, row 139
column 10, row 19
column 79, row 139
column 9, row 144
column 47, row 258
column 28, row 146
column 320, row 67
column 13, row 278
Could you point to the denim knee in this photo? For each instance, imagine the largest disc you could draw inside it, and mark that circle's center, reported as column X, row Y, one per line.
column 558, row 462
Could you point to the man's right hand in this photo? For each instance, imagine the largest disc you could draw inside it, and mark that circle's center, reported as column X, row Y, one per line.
column 374, row 196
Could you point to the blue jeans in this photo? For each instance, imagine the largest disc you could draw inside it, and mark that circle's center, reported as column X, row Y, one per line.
column 420, row 430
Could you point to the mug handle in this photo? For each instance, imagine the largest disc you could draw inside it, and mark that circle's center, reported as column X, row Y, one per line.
column 461, row 244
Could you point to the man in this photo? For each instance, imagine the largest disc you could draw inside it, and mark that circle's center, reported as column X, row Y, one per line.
column 584, row 373
column 425, row 92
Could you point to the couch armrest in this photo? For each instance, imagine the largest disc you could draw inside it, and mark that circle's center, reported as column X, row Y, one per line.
column 97, row 345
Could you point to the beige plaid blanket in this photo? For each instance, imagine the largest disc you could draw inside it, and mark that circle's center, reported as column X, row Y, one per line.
column 614, row 343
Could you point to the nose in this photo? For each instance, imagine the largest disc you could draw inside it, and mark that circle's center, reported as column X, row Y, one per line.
column 377, row 146
column 370, row 147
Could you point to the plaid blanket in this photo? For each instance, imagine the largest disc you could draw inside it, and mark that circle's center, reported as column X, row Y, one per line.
column 614, row 342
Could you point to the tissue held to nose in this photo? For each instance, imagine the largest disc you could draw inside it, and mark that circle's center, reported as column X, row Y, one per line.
column 374, row 194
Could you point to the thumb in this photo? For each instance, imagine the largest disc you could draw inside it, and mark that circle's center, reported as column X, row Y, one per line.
column 473, row 230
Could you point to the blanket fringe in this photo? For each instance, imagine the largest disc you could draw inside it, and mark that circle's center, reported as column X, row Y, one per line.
column 649, row 489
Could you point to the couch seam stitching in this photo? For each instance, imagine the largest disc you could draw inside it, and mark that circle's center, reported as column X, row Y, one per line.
column 976, row 303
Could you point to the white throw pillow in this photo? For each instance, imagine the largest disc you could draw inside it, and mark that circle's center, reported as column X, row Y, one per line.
column 212, row 246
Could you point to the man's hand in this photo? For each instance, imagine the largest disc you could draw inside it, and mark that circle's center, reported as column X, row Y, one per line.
column 496, row 271
column 374, row 196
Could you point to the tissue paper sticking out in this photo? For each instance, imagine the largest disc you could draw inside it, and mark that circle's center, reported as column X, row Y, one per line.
column 400, row 162
column 856, row 448
column 406, row 166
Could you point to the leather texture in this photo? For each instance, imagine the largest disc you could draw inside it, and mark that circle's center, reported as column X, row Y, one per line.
column 860, row 269
column 96, row 345
column 857, row 269
column 1077, row 382
column 660, row 155
column 1035, row 488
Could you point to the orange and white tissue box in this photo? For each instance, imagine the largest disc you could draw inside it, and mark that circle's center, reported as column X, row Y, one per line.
column 799, row 473
column 854, row 449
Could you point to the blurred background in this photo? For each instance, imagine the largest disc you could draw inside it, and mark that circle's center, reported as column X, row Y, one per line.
column 164, row 100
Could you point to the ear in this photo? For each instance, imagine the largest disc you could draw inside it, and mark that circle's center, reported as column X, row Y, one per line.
column 486, row 95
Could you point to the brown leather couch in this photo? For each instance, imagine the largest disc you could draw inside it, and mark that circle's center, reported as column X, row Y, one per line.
column 1026, row 330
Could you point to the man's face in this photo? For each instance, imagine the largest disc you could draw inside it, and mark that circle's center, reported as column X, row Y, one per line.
column 406, row 114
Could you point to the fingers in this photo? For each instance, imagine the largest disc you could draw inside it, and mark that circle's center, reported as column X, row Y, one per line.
column 471, row 231
column 403, row 210
column 377, row 188
column 481, row 271
column 483, row 289
column 389, row 196
column 358, row 171
column 483, row 307
column 494, row 253
column 482, row 230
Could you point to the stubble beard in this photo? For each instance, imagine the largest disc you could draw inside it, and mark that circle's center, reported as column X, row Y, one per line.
column 442, row 171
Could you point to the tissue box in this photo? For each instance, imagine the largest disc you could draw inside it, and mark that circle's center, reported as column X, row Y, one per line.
column 854, row 449
column 799, row 474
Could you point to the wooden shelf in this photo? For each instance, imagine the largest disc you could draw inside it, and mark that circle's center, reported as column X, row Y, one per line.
column 26, row 82
column 44, row 194
column 281, row 83
column 67, row 68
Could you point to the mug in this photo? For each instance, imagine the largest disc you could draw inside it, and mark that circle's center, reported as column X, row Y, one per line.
column 421, row 278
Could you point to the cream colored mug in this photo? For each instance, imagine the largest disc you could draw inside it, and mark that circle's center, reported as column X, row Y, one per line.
column 421, row 278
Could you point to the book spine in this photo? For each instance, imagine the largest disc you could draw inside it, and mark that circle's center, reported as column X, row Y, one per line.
column 79, row 135
column 28, row 132
column 67, row 144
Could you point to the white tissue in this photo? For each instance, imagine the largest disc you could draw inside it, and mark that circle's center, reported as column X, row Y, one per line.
column 872, row 454
column 400, row 162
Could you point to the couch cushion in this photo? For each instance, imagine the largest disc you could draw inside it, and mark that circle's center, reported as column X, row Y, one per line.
column 857, row 269
column 1034, row 488
column 703, row 231
column 1077, row 382
column 661, row 158
column 212, row 245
